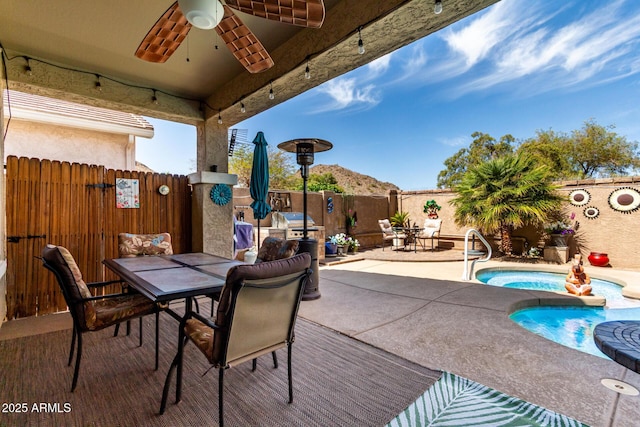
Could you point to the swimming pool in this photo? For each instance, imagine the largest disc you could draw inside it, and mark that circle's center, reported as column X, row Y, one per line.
column 566, row 325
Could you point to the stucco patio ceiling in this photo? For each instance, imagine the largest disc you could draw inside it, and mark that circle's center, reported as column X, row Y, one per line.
column 69, row 43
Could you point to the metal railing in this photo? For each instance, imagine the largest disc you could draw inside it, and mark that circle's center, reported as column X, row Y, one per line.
column 466, row 274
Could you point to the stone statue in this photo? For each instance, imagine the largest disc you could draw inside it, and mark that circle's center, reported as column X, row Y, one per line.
column 577, row 281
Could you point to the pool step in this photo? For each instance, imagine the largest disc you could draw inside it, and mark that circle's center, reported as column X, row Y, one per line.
column 473, row 252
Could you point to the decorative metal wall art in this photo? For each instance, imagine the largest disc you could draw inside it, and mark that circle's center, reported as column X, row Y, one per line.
column 625, row 199
column 591, row 212
column 579, row 197
column 221, row 194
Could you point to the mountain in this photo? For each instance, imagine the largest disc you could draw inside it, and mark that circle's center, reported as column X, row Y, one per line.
column 354, row 182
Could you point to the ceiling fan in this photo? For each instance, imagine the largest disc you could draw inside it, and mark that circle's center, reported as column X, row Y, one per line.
column 173, row 26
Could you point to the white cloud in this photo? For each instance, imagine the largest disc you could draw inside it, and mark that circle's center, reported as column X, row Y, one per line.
column 475, row 41
column 345, row 93
column 379, row 66
column 551, row 58
column 455, row 141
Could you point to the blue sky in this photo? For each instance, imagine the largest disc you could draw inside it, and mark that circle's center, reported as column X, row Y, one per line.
column 514, row 68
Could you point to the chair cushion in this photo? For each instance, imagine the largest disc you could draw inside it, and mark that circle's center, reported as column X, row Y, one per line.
column 273, row 248
column 431, row 228
column 201, row 335
column 133, row 245
column 115, row 310
column 61, row 260
column 386, row 228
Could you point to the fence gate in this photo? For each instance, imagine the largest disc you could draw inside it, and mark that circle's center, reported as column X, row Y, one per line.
column 74, row 205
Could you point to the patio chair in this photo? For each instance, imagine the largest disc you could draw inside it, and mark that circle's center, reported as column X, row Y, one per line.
column 431, row 231
column 133, row 245
column 388, row 233
column 256, row 316
column 92, row 313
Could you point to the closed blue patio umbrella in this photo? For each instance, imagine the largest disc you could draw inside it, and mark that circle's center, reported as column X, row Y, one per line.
column 259, row 184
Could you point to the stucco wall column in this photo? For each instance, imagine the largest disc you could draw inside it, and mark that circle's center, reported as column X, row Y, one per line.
column 3, row 209
column 212, row 224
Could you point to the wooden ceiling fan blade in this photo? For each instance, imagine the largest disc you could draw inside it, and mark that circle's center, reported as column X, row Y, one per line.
column 165, row 36
column 243, row 44
column 304, row 13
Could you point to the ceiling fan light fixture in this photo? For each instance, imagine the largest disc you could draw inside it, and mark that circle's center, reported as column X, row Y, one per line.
column 203, row 14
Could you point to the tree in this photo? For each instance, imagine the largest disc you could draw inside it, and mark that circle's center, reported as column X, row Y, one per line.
column 505, row 193
column 482, row 148
column 320, row 182
column 550, row 148
column 282, row 171
column 597, row 151
column 592, row 151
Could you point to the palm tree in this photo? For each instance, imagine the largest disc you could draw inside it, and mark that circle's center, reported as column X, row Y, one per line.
column 506, row 193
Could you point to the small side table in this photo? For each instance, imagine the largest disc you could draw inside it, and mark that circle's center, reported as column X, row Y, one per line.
column 620, row 340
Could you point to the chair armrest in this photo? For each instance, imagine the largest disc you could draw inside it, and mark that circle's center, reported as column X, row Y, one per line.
column 201, row 318
column 102, row 284
column 108, row 296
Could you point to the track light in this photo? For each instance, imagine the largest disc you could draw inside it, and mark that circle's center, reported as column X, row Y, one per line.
column 219, row 117
column 437, row 7
column 27, row 68
column 242, row 109
column 98, row 84
column 307, row 72
column 154, row 98
column 271, row 95
column 360, row 43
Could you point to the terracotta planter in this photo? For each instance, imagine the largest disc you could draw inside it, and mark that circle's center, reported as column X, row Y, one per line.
column 598, row 259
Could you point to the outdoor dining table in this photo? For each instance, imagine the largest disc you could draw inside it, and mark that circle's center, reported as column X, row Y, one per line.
column 411, row 234
column 165, row 278
column 620, row 340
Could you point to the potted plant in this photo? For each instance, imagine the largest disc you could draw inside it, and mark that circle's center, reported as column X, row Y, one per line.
column 560, row 231
column 353, row 244
column 351, row 221
column 340, row 240
column 431, row 208
column 400, row 219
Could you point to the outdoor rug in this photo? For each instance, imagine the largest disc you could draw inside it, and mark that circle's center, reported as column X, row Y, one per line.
column 337, row 381
column 457, row 401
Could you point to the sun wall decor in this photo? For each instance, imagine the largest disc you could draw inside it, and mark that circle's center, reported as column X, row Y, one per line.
column 579, row 197
column 591, row 212
column 625, row 199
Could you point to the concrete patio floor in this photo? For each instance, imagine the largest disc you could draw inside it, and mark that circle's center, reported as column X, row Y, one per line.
column 424, row 312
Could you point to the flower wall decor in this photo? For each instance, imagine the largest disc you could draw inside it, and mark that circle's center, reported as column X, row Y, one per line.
column 221, row 194
column 579, row 197
column 625, row 199
column 591, row 212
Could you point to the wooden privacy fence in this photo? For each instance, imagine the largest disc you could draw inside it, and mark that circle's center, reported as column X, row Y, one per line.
column 74, row 205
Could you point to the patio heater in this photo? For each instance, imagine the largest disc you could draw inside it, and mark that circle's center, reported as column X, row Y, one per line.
column 305, row 149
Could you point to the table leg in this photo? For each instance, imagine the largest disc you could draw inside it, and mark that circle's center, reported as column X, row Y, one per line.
column 187, row 309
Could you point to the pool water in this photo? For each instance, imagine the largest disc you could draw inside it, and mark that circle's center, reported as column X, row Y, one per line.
column 571, row 326
column 568, row 325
